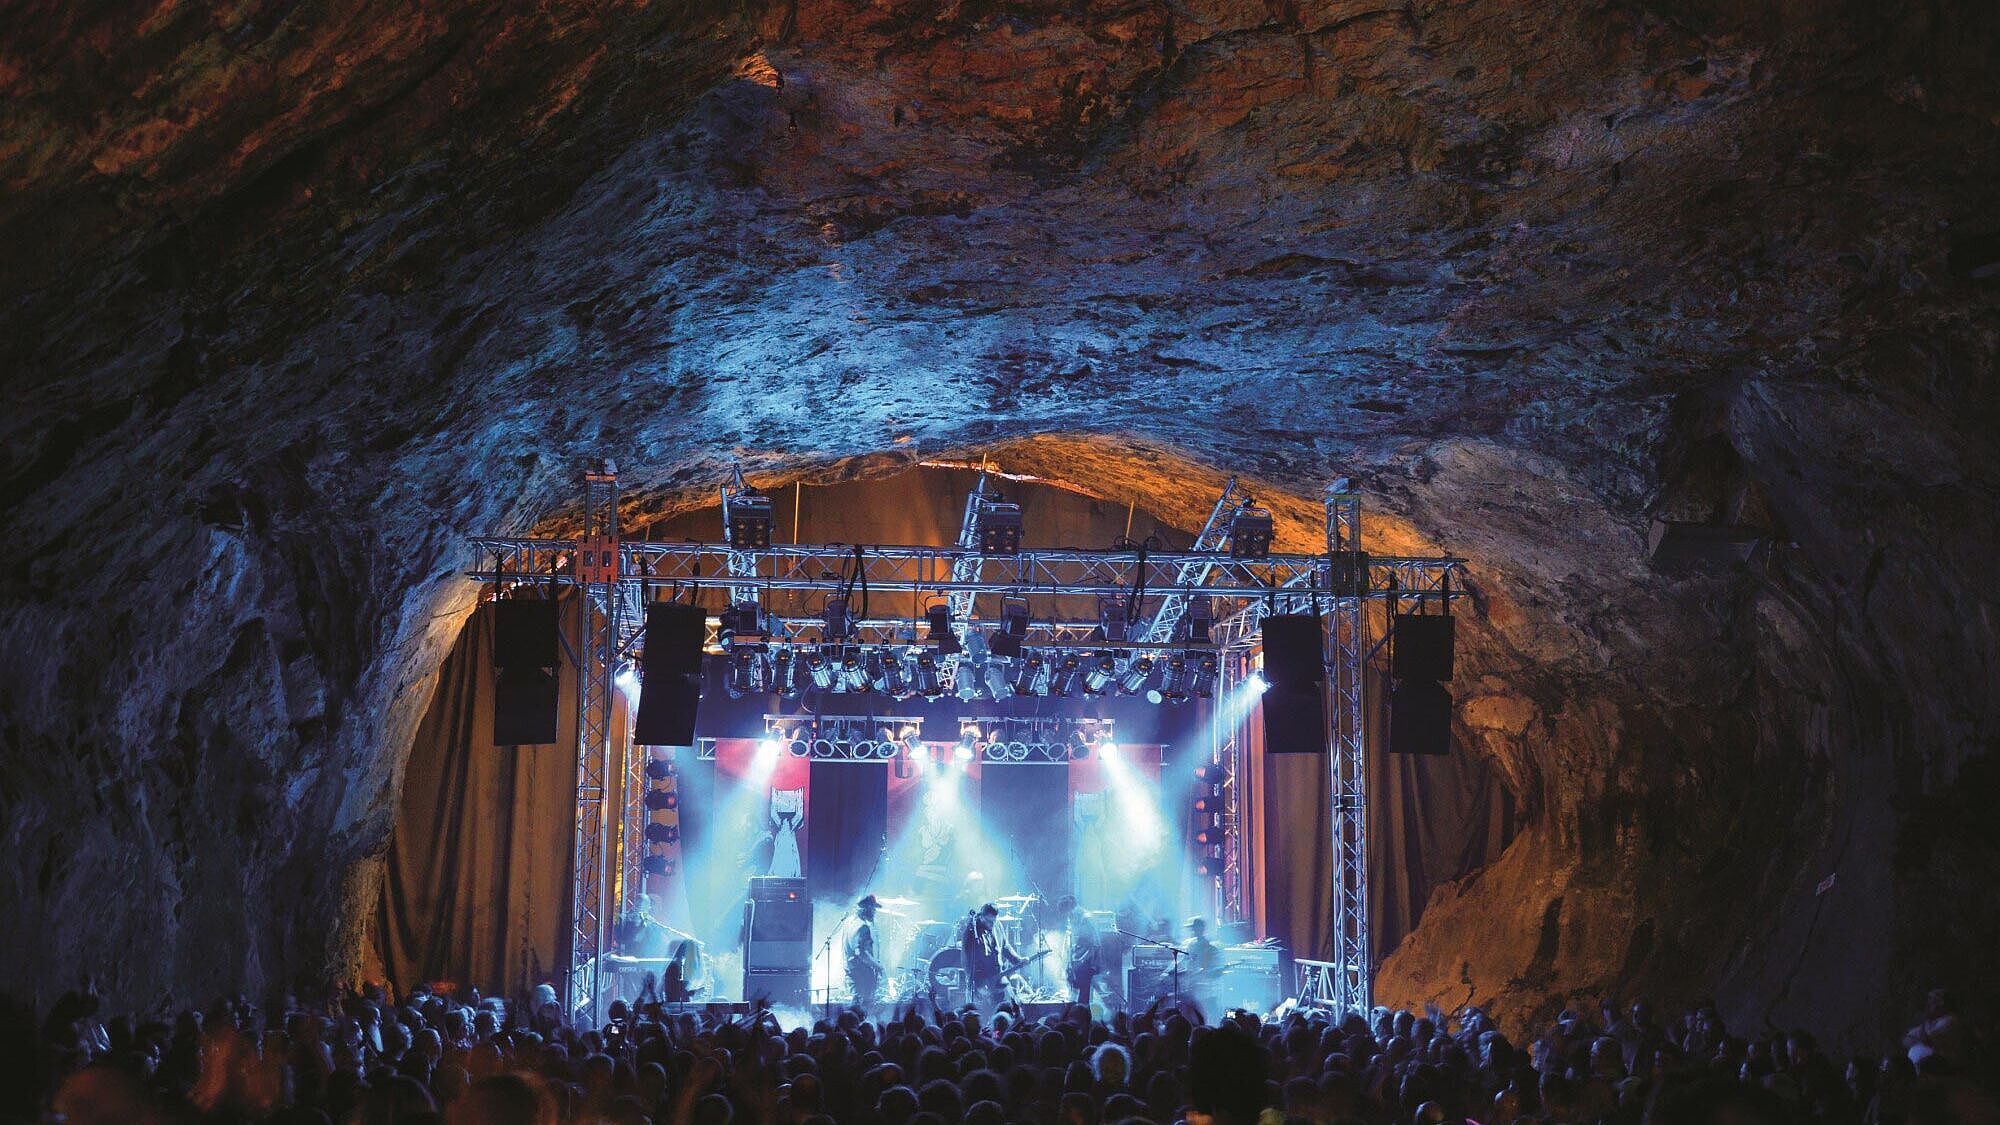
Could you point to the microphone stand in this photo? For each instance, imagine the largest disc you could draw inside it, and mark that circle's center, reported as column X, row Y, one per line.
column 1176, row 950
column 827, row 950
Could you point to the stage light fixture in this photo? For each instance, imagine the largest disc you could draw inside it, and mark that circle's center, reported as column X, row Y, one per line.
column 895, row 675
column 1029, row 680
column 1110, row 749
column 742, row 623
column 1173, row 682
column 787, row 673
column 927, row 681
column 1111, row 617
column 940, row 635
column 742, row 679
column 1014, row 628
column 769, row 748
column 1079, row 746
column 834, row 621
column 1256, row 682
column 748, row 515
column 1250, row 532
column 1101, row 673
column 1067, row 672
column 1200, row 618
column 820, row 669
column 853, row 671
column 998, row 525
column 1201, row 682
column 1136, row 675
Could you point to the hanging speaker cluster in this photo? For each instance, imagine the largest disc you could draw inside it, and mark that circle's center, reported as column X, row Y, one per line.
column 524, row 652
column 670, row 675
column 1419, row 703
column 1294, row 703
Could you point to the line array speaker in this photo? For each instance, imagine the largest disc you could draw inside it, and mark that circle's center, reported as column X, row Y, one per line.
column 671, row 695
column 524, row 652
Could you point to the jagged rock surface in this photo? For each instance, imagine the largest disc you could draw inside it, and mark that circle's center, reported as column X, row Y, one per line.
column 304, row 294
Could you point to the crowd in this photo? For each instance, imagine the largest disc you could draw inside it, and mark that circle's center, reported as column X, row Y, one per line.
column 426, row 1058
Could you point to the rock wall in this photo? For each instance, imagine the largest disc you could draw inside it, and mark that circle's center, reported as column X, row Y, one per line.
column 307, row 293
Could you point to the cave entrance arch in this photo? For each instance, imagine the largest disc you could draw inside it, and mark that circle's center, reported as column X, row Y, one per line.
column 615, row 579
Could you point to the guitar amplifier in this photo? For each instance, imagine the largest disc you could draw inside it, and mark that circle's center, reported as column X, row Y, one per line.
column 778, row 924
column 1249, row 977
column 1151, row 975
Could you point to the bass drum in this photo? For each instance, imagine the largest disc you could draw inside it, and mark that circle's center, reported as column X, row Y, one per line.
column 945, row 975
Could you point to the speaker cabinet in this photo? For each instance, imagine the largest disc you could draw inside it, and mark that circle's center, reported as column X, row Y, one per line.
column 1294, row 718
column 1420, row 718
column 524, row 634
column 670, row 699
column 1424, row 646
column 1294, row 650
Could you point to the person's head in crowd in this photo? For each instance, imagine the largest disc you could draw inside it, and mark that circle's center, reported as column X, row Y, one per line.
column 505, row 1099
column 1226, row 1072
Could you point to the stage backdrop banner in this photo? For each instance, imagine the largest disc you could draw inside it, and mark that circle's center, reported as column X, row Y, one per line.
column 847, row 828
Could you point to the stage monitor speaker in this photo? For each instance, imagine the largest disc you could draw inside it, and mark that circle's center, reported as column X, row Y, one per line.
column 790, row 988
column 1249, row 977
column 1294, row 719
column 524, row 634
column 1423, row 646
column 670, row 697
column 1294, row 650
column 524, row 707
column 1419, row 718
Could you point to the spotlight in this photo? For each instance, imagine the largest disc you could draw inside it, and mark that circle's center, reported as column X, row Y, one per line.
column 627, row 679
column 1250, row 531
column 963, row 751
column 1109, row 749
column 941, row 636
column 1136, row 675
column 743, row 674
column 769, row 748
column 852, row 670
column 1202, row 682
column 1029, row 680
column 895, row 676
column 1079, row 747
column 1063, row 680
column 787, row 673
column 748, row 515
column 927, row 680
column 742, row 623
column 1014, row 627
column 1111, row 618
column 1256, row 682
column 818, row 668
column 1200, row 615
column 834, row 620
column 1173, row 682
column 998, row 524
column 1103, row 671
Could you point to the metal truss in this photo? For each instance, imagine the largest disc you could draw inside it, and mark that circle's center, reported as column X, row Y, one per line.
column 1174, row 603
column 594, row 570
column 616, row 579
column 1346, row 649
column 1317, row 984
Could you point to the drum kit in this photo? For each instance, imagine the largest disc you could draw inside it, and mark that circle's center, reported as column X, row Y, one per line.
column 933, row 965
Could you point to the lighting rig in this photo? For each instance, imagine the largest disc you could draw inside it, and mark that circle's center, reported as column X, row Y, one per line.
column 1039, row 740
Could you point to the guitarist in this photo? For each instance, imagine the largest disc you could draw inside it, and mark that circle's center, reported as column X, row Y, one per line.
column 1083, row 942
column 864, row 956
column 988, row 957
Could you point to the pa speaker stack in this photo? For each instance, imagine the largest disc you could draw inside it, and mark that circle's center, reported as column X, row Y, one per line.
column 1294, row 700
column 671, row 676
column 1419, row 703
column 524, row 652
